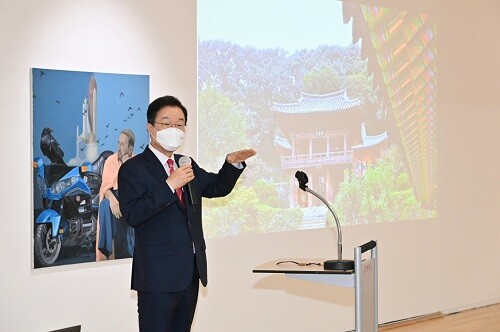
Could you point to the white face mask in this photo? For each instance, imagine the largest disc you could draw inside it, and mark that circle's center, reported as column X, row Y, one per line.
column 170, row 138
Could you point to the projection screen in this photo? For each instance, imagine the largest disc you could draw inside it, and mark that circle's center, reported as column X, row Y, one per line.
column 341, row 91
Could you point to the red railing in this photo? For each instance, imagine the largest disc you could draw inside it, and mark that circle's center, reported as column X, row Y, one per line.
column 317, row 159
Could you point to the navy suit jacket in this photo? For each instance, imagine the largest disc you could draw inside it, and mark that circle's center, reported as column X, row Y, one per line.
column 165, row 230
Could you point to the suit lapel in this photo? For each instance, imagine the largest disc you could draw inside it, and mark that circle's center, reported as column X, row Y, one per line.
column 154, row 165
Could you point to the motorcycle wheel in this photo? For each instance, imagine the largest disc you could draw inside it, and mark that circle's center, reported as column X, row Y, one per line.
column 47, row 248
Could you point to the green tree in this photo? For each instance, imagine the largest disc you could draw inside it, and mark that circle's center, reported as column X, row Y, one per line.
column 383, row 193
column 242, row 211
column 268, row 194
column 360, row 85
column 222, row 128
column 321, row 81
column 226, row 216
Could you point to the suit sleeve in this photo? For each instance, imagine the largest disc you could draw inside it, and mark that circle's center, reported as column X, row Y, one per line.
column 218, row 184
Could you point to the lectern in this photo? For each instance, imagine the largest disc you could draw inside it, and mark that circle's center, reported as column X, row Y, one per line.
column 363, row 279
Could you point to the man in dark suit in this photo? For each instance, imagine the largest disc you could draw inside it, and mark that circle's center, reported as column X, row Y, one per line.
column 169, row 254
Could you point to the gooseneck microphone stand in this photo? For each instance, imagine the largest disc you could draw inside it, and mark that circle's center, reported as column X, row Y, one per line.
column 338, row 264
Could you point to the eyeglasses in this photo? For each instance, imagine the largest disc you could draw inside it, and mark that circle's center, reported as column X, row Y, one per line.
column 298, row 263
column 180, row 126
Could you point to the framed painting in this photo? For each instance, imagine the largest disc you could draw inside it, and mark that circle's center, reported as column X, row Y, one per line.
column 84, row 126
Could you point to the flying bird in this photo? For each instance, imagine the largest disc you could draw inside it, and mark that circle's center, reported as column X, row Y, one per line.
column 50, row 147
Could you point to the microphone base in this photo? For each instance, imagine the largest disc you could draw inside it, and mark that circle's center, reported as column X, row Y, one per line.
column 338, row 265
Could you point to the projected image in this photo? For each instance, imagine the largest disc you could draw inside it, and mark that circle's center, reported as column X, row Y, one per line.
column 341, row 91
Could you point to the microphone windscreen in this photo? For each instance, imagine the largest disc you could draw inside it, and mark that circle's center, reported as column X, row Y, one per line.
column 302, row 177
column 184, row 160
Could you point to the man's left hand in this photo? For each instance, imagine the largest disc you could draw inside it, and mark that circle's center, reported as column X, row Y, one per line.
column 240, row 156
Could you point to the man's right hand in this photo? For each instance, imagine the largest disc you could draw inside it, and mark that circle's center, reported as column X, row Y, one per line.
column 180, row 176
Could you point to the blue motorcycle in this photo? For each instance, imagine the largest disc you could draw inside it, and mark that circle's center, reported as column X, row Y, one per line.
column 69, row 199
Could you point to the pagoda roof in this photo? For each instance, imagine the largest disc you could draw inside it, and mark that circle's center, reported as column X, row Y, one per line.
column 313, row 103
column 283, row 142
column 369, row 141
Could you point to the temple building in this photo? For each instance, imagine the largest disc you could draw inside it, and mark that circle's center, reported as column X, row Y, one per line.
column 323, row 135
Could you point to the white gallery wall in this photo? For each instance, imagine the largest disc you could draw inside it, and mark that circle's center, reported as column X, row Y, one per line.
column 447, row 264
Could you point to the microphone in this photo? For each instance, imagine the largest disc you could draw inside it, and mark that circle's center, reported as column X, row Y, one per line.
column 185, row 160
column 337, row 264
column 302, row 177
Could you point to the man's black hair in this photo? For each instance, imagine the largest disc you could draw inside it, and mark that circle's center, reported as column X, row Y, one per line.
column 161, row 102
